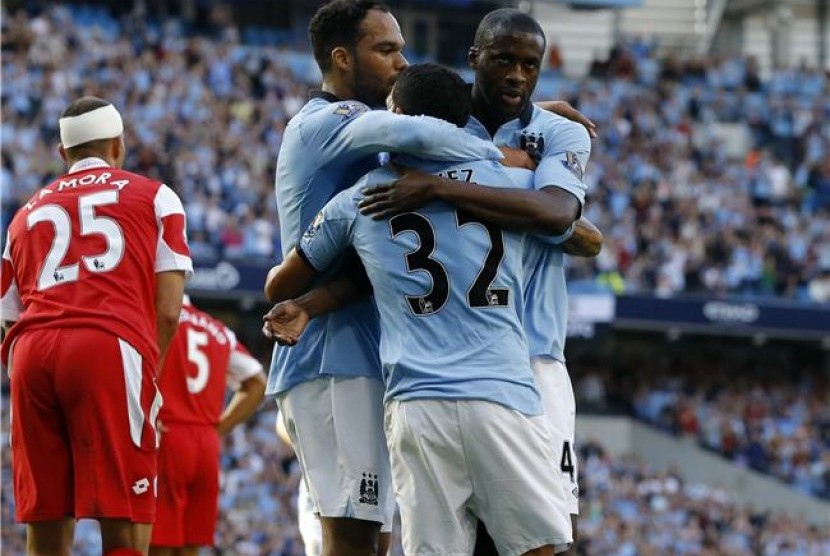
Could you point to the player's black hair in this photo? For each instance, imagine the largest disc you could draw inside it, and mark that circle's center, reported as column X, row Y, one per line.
column 506, row 19
column 76, row 108
column 338, row 24
column 84, row 105
column 433, row 90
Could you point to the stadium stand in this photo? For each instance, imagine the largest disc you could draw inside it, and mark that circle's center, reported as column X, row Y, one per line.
column 706, row 178
column 765, row 411
column 629, row 509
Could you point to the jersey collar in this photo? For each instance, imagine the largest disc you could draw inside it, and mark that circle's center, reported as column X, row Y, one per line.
column 526, row 114
column 87, row 164
column 325, row 95
column 477, row 128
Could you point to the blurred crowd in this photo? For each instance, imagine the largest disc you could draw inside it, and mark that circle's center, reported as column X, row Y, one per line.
column 628, row 509
column 766, row 412
column 203, row 115
column 705, row 176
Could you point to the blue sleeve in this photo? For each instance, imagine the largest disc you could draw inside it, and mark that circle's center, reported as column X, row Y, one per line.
column 557, row 240
column 526, row 179
column 564, row 161
column 329, row 234
column 353, row 128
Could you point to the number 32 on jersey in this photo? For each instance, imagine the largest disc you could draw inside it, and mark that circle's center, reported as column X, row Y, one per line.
column 481, row 294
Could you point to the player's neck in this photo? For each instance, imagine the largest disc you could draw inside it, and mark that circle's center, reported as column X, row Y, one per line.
column 90, row 159
column 336, row 88
column 491, row 119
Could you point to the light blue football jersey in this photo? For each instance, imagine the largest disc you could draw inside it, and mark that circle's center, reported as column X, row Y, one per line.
column 448, row 289
column 326, row 147
column 561, row 149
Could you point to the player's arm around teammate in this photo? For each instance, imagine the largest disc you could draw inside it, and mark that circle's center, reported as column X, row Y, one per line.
column 506, row 58
column 331, row 142
column 438, row 518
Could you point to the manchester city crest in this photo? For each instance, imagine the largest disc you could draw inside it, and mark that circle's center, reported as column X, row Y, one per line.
column 369, row 489
column 533, row 144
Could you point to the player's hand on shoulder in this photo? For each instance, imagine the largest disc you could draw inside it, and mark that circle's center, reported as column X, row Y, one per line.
column 564, row 109
column 411, row 191
column 285, row 322
column 516, row 158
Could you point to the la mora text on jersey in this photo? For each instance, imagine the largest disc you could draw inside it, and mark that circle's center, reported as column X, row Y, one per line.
column 71, row 183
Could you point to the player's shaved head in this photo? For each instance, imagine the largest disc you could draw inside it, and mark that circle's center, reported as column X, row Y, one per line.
column 433, row 90
column 338, row 23
column 506, row 20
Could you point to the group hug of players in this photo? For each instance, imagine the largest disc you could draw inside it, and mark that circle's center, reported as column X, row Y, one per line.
column 420, row 314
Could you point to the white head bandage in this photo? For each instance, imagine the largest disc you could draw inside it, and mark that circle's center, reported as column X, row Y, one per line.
column 101, row 123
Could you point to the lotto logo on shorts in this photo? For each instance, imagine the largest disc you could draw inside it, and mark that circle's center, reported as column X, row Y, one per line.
column 369, row 489
column 575, row 492
column 141, row 486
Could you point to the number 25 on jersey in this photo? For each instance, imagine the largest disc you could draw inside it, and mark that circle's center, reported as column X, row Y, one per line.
column 52, row 273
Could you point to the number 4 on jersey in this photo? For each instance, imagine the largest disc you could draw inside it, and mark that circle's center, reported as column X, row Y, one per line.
column 566, row 464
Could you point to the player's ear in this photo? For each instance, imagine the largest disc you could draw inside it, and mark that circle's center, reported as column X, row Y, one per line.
column 62, row 151
column 472, row 57
column 341, row 59
column 118, row 150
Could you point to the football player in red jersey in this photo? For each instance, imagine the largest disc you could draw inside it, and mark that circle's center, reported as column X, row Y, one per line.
column 93, row 274
column 203, row 358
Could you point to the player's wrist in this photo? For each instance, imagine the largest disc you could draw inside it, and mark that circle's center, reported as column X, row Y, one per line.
column 440, row 188
column 315, row 302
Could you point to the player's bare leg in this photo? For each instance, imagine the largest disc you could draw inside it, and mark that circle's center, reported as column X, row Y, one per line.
column 349, row 537
column 384, row 540
column 121, row 533
column 50, row 538
column 486, row 547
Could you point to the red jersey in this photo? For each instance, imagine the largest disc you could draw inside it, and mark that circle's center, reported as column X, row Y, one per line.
column 203, row 358
column 84, row 252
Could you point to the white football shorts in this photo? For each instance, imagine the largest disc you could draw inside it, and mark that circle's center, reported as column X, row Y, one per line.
column 558, row 400
column 336, row 427
column 457, row 461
